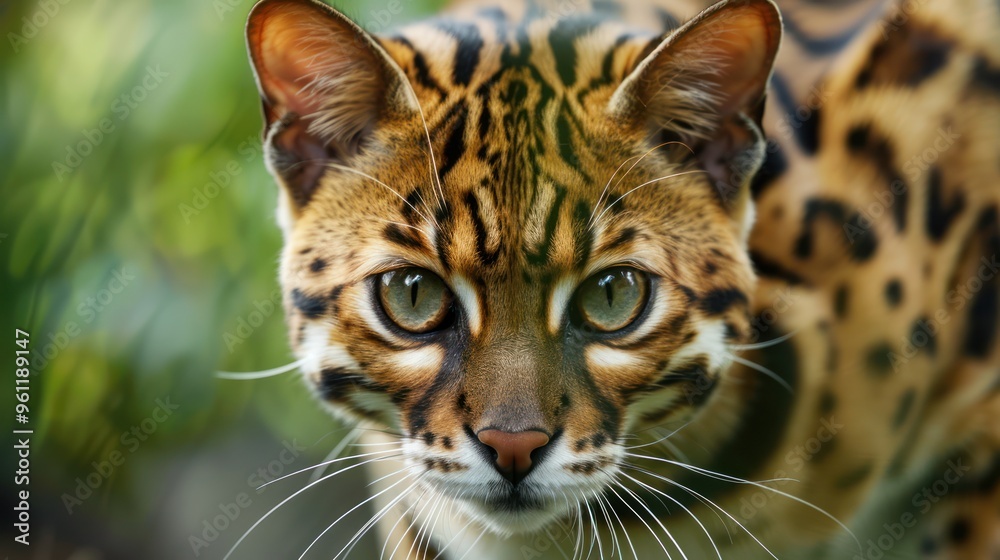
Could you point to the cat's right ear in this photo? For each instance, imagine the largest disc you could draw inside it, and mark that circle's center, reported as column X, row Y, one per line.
column 325, row 84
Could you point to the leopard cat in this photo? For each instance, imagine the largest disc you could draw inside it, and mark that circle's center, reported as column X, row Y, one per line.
column 595, row 282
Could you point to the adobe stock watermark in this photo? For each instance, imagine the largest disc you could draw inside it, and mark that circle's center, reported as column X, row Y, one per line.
column 220, row 179
column 213, row 527
column 129, row 442
column 121, row 109
column 33, row 24
column 89, row 309
column 921, row 504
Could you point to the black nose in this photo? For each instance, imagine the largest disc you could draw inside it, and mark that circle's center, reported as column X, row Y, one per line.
column 512, row 450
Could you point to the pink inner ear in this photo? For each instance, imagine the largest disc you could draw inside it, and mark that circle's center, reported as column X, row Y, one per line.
column 744, row 48
column 287, row 60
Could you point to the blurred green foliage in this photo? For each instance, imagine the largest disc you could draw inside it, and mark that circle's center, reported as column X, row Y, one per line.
column 137, row 231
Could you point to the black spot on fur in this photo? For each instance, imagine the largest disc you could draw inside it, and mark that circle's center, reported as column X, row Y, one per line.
column 986, row 77
column 840, row 298
column 903, row 408
column 446, row 442
column 990, row 478
column 864, row 141
column 688, row 293
column 775, row 165
column 719, row 300
column 858, row 235
column 857, row 137
column 940, row 215
column 827, row 403
column 310, row 306
column 580, row 445
column 598, row 440
column 906, row 56
column 983, row 320
column 317, row 265
column 894, row 292
column 429, row 438
column 922, row 335
column 808, row 132
column 879, row 359
column 768, row 268
column 959, row 530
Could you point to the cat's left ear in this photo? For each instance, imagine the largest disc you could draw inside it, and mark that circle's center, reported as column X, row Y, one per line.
column 326, row 86
column 704, row 85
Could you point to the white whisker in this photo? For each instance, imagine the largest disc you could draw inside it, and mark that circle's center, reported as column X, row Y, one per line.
column 753, row 365
column 689, row 512
column 724, row 512
column 792, row 497
column 766, row 343
column 350, row 511
column 289, row 498
column 247, row 375
column 330, row 462
column 641, row 520
column 651, row 181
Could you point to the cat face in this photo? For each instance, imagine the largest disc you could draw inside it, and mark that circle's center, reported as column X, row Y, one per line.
column 507, row 253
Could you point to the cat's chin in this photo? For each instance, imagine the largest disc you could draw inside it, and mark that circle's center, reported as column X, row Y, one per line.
column 513, row 516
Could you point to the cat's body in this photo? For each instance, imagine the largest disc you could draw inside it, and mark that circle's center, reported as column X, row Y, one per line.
column 573, row 141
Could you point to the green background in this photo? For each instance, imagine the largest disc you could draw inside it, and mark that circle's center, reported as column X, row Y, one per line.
column 139, row 249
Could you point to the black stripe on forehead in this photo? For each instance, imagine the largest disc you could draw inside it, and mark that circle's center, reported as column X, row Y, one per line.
column 454, row 146
column 584, row 235
column 486, row 257
column 542, row 253
column 467, row 52
column 561, row 39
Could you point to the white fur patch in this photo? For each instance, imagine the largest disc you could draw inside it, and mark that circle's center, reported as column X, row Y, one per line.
column 469, row 300
column 559, row 302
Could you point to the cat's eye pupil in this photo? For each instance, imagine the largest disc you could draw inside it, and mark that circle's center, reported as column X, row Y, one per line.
column 415, row 299
column 414, row 287
column 609, row 289
column 612, row 299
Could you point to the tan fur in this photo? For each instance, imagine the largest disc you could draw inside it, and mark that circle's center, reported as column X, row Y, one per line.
column 514, row 176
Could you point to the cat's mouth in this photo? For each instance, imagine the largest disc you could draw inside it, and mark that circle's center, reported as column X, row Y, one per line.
column 516, row 509
column 516, row 500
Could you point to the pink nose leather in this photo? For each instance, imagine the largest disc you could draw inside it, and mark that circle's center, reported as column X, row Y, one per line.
column 513, row 450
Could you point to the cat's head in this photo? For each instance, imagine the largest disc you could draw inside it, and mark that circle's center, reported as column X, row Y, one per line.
column 515, row 252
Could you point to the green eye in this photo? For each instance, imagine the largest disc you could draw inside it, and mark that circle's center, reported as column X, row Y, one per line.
column 611, row 299
column 415, row 299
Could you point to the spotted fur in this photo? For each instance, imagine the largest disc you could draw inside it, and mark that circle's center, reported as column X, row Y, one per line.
column 823, row 307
